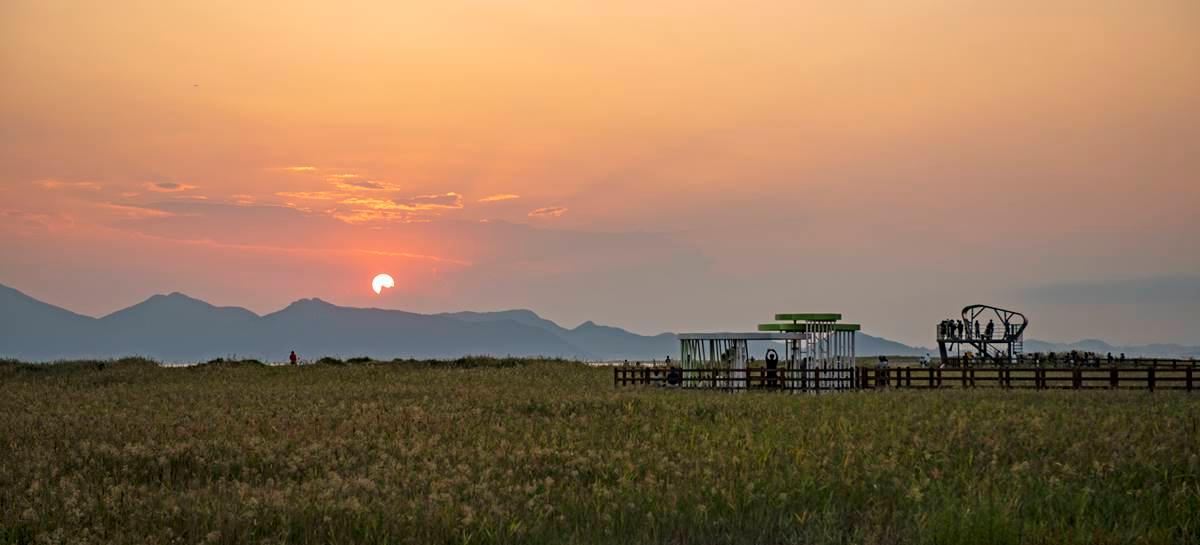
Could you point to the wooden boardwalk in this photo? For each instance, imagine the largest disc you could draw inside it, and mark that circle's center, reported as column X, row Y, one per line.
column 1175, row 377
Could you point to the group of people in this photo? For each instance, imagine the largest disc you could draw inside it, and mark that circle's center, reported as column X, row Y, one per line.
column 1074, row 358
column 959, row 329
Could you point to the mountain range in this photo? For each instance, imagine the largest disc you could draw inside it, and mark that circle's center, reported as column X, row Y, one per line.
column 178, row 328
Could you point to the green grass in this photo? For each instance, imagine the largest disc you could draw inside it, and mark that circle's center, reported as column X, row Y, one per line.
column 514, row 451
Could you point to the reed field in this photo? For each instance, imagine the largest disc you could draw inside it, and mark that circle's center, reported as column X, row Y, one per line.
column 530, row 451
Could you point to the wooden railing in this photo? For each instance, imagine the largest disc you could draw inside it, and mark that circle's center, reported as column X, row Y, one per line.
column 1086, row 360
column 739, row 379
column 867, row 378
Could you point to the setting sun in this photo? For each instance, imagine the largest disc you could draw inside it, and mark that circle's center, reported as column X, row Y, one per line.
column 382, row 280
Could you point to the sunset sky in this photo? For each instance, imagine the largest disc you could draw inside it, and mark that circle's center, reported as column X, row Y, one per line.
column 660, row 166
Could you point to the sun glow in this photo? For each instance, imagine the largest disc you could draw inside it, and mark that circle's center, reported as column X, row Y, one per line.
column 382, row 280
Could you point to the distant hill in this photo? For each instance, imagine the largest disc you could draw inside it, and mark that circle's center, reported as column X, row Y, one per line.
column 33, row 330
column 602, row 342
column 867, row 345
column 178, row 328
column 1101, row 347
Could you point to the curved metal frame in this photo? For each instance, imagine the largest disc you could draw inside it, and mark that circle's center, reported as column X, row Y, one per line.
column 1005, row 349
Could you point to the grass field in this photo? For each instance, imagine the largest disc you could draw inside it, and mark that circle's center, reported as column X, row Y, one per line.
column 508, row 451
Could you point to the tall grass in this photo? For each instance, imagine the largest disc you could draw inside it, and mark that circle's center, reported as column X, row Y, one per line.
column 519, row 451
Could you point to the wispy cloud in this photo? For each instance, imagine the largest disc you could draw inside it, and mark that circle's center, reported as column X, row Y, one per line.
column 360, row 216
column 59, row 184
column 548, row 212
column 420, row 203
column 169, row 187
column 372, row 203
column 312, row 195
column 432, row 202
column 25, row 220
column 333, row 177
column 301, row 168
column 134, row 212
column 500, row 197
column 364, row 185
column 357, row 207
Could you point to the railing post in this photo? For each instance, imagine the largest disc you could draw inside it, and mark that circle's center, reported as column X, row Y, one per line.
column 1077, row 378
column 1113, row 381
column 1150, row 379
column 1189, row 378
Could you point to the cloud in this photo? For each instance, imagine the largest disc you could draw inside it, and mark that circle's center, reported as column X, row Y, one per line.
column 243, row 198
column 134, row 212
column 59, row 184
column 420, row 203
column 312, row 195
column 332, row 177
column 360, row 216
column 361, row 185
column 500, row 197
column 303, row 168
column 169, row 187
column 432, row 202
column 24, row 220
column 548, row 212
column 372, row 203
column 360, row 208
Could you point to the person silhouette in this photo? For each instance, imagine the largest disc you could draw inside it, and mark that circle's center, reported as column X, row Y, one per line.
column 292, row 358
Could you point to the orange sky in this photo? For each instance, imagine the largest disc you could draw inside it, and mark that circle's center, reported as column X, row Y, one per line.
column 673, row 166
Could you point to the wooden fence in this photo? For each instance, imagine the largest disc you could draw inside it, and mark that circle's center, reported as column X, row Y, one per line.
column 1082, row 360
column 740, row 379
column 868, row 378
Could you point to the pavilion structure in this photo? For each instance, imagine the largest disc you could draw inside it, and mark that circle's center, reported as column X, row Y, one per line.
column 801, row 351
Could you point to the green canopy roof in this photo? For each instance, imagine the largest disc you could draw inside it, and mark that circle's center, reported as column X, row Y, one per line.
column 809, row 317
column 808, row 327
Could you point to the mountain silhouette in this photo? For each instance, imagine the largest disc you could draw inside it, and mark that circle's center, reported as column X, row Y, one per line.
column 609, row 343
column 33, row 330
column 178, row 328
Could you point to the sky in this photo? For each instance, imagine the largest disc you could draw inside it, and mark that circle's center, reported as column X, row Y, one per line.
column 660, row 166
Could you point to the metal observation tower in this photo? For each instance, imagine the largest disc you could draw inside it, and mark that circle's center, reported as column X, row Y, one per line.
column 996, row 334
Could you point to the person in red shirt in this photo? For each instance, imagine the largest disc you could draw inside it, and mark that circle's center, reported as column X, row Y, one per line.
column 292, row 357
